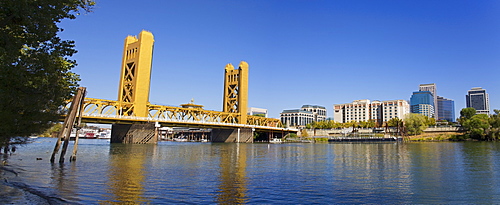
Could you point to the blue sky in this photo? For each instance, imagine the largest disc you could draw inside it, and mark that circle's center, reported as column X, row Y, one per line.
column 299, row 51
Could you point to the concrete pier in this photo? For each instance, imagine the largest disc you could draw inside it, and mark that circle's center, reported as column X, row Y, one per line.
column 244, row 135
column 134, row 133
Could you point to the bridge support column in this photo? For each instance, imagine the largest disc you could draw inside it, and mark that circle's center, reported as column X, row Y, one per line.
column 244, row 135
column 134, row 134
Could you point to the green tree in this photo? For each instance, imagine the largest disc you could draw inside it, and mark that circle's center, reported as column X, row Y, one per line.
column 352, row 124
column 363, row 124
column 55, row 128
column 311, row 125
column 415, row 123
column 35, row 77
column 429, row 121
column 495, row 125
column 394, row 122
column 371, row 123
column 477, row 126
column 260, row 115
column 467, row 113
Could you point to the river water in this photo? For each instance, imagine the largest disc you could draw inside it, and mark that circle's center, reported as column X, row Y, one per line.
column 230, row 173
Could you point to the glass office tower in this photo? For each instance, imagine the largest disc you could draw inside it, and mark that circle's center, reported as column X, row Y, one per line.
column 446, row 109
column 478, row 99
column 422, row 102
column 431, row 87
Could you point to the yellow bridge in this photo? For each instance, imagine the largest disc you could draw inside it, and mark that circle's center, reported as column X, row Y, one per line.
column 133, row 108
column 115, row 112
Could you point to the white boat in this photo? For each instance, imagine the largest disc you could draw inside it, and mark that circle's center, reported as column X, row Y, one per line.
column 275, row 141
column 104, row 135
column 180, row 139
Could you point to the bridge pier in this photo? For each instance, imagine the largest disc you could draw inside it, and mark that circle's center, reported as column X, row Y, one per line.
column 134, row 133
column 244, row 135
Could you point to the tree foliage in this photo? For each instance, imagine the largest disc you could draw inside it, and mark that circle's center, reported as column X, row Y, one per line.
column 395, row 122
column 415, row 123
column 260, row 115
column 35, row 77
column 480, row 126
column 326, row 124
column 494, row 121
column 477, row 126
column 467, row 113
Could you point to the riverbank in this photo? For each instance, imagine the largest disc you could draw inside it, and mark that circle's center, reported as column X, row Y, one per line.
column 14, row 192
column 13, row 188
column 437, row 137
column 425, row 137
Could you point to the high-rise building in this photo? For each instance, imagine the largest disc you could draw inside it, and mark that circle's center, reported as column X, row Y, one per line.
column 446, row 109
column 431, row 87
column 478, row 99
column 364, row 110
column 422, row 102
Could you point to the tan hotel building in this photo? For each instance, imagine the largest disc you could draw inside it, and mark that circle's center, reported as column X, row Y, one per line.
column 364, row 110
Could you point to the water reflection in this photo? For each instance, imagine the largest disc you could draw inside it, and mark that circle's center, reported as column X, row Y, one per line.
column 203, row 173
column 233, row 181
column 126, row 174
column 481, row 158
column 63, row 179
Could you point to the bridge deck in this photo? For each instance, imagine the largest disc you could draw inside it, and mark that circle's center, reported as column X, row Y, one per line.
column 114, row 112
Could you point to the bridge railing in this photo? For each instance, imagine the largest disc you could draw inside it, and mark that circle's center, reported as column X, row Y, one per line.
column 193, row 122
column 110, row 109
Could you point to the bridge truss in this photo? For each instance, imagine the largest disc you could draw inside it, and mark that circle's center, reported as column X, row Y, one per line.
column 110, row 111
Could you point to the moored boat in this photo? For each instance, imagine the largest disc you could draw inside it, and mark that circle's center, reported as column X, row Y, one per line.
column 364, row 139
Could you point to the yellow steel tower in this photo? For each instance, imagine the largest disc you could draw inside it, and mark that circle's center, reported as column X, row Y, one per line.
column 136, row 74
column 236, row 91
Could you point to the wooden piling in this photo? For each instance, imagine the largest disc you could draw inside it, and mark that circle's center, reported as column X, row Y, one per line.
column 77, row 134
column 68, row 125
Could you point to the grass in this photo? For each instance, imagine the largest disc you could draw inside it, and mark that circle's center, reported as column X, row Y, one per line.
column 437, row 137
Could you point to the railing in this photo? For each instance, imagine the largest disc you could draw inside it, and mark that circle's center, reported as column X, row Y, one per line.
column 109, row 109
column 443, row 129
column 149, row 119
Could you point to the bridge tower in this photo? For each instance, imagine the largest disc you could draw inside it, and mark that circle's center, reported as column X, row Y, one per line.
column 136, row 74
column 235, row 101
column 236, row 91
column 133, row 91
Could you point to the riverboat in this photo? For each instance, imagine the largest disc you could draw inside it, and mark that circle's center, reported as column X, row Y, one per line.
column 275, row 141
column 364, row 139
column 104, row 135
column 84, row 134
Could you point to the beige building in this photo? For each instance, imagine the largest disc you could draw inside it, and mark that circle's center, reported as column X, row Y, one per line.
column 296, row 118
column 301, row 117
column 319, row 112
column 365, row 110
column 254, row 110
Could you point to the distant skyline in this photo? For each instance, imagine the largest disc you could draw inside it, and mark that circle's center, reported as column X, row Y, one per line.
column 299, row 52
